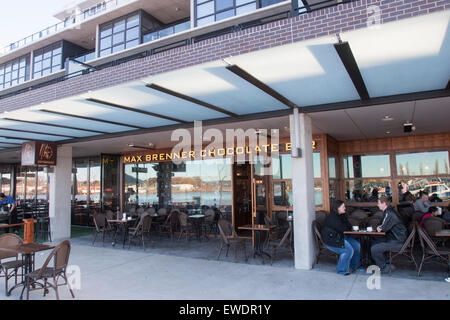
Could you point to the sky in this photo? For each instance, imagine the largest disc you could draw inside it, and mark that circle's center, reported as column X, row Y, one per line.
column 21, row 18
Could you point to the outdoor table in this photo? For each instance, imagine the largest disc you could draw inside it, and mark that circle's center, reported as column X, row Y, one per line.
column 258, row 245
column 124, row 225
column 27, row 251
column 198, row 221
column 443, row 233
column 365, row 244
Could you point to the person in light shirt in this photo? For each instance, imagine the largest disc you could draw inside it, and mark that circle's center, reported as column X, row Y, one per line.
column 423, row 203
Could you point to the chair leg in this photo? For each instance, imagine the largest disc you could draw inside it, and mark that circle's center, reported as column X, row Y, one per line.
column 421, row 264
column 28, row 287
column 68, row 284
column 56, row 289
column 95, row 237
column 390, row 262
column 228, row 248
column 45, row 286
column 220, row 250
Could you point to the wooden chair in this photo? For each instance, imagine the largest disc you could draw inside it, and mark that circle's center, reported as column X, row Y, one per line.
column 406, row 250
column 230, row 239
column 185, row 225
column 8, row 240
column 429, row 251
column 141, row 230
column 101, row 226
column 60, row 257
column 321, row 247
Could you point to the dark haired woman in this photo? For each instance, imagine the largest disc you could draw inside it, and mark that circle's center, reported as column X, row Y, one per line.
column 345, row 246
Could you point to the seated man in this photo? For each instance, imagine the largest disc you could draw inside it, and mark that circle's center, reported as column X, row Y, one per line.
column 396, row 234
column 8, row 203
column 422, row 204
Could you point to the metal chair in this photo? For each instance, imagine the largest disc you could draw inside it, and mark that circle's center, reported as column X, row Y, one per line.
column 100, row 226
column 185, row 225
column 406, row 249
column 10, row 240
column 142, row 229
column 230, row 239
column 60, row 257
column 286, row 241
column 321, row 247
column 429, row 251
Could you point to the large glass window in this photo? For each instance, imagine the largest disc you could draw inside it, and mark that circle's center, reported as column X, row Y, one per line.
column 15, row 72
column 425, row 171
column 120, row 34
column 422, row 163
column 47, row 60
column 208, row 11
column 357, row 166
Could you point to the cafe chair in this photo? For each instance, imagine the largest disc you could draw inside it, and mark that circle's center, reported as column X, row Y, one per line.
column 39, row 279
column 211, row 221
column 10, row 240
column 432, row 225
column 320, row 245
column 430, row 253
column 406, row 250
column 286, row 242
column 170, row 225
column 101, row 226
column 185, row 226
column 142, row 230
column 230, row 239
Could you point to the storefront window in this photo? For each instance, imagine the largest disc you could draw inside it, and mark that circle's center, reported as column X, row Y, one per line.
column 30, row 187
column 422, row 163
column 435, row 186
column 94, row 183
column 367, row 190
column 370, row 166
column 6, row 183
column 42, row 187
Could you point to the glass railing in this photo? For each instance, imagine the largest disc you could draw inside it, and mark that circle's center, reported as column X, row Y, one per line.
column 166, row 32
column 68, row 23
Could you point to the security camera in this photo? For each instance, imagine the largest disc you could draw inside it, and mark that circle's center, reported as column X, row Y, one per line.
column 408, row 127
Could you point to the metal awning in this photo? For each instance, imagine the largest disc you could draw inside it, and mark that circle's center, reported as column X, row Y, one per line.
column 368, row 65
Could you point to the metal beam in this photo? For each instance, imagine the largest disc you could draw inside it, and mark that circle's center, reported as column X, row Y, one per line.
column 377, row 101
column 55, row 125
column 345, row 53
column 152, row 114
column 260, row 85
column 40, row 132
column 190, row 99
column 10, row 143
column 91, row 119
column 16, row 138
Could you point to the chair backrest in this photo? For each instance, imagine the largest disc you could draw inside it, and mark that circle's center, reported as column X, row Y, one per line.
column 226, row 230
column 183, row 219
column 285, row 240
column 375, row 222
column 409, row 240
column 10, row 240
column 417, row 215
column 433, row 225
column 318, row 235
column 378, row 214
column 60, row 255
column 109, row 215
column 321, row 216
column 99, row 220
column 425, row 240
column 150, row 210
column 146, row 223
column 210, row 215
column 359, row 214
column 132, row 210
column 173, row 217
column 162, row 211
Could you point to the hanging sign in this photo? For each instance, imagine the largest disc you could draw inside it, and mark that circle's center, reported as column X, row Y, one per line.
column 35, row 153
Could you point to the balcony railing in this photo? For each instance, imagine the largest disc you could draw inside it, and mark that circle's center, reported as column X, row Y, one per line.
column 166, row 32
column 77, row 18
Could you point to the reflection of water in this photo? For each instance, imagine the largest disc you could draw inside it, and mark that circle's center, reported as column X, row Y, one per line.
column 211, row 198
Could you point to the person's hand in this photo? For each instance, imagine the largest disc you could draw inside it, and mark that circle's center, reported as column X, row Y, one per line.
column 379, row 229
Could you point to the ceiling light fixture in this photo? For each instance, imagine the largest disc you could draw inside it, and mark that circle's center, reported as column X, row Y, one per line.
column 150, row 146
column 387, row 118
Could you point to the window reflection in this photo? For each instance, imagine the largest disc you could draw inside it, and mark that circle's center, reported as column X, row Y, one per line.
column 422, row 163
column 358, row 166
column 367, row 190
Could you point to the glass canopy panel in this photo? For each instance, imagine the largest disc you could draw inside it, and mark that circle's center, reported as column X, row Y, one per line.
column 30, row 136
column 5, row 124
column 103, row 112
column 33, row 115
column 401, row 57
column 307, row 72
column 216, row 85
column 136, row 95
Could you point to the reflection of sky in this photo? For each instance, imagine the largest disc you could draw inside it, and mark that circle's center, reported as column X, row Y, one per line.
column 426, row 160
column 371, row 166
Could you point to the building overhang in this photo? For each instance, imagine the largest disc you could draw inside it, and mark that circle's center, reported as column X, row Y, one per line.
column 397, row 62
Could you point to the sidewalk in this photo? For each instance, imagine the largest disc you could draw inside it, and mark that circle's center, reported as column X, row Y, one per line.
column 116, row 273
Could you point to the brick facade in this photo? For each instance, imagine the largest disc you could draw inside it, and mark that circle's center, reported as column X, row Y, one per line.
column 330, row 21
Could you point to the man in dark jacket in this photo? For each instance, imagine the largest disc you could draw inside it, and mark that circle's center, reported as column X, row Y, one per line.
column 396, row 234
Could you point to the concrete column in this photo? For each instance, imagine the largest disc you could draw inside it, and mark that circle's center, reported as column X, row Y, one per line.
column 303, row 192
column 60, row 195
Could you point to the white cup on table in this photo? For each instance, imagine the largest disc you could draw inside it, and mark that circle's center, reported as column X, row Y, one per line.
column 370, row 229
column 355, row 228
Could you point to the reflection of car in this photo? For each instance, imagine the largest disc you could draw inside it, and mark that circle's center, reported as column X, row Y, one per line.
column 440, row 189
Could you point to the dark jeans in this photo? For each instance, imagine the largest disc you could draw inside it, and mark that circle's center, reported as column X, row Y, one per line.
column 12, row 220
column 379, row 248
